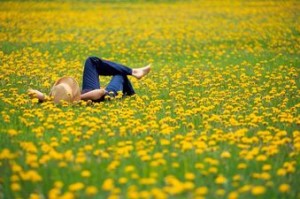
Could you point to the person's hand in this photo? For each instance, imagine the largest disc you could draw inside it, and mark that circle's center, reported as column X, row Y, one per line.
column 35, row 94
column 32, row 93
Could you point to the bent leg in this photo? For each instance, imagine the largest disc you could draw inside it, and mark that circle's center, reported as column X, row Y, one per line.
column 112, row 68
column 120, row 83
column 94, row 67
column 108, row 68
column 127, row 87
column 90, row 78
column 115, row 85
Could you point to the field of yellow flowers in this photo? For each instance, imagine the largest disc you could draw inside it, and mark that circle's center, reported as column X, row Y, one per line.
column 217, row 117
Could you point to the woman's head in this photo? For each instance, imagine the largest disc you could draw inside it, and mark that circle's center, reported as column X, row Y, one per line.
column 65, row 89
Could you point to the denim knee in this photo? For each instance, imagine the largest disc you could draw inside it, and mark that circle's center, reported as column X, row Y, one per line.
column 89, row 59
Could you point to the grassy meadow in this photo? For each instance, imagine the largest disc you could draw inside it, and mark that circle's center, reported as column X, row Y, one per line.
column 217, row 117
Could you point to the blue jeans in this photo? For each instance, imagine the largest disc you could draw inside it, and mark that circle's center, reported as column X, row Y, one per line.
column 94, row 67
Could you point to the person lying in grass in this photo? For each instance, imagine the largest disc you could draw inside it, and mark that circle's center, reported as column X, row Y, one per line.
column 67, row 88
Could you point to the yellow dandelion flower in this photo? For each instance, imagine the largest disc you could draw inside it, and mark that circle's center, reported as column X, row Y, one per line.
column 101, row 142
column 164, row 142
column 14, row 178
column 108, row 184
column 266, row 167
column 201, row 190
column 91, row 190
column 12, row 132
column 31, row 175
column 6, row 154
column 85, row 173
column 213, row 170
column 188, row 185
column 242, row 166
column 58, row 184
column 220, row 179
column 199, row 166
column 147, row 181
column 175, row 164
column 34, row 196
column 281, row 172
column 233, row 195
column 245, row 188
column 122, row 180
column 53, row 193
column 284, row 188
column 261, row 158
column 258, row 190
column 129, row 168
column 15, row 186
column 265, row 176
column 189, row 176
column 76, row 186
column 67, row 195
column 225, row 154
column 158, row 193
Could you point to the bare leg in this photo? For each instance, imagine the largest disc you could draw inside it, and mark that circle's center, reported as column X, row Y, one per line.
column 141, row 72
column 93, row 95
column 36, row 94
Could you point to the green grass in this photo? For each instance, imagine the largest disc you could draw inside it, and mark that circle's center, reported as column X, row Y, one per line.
column 218, row 68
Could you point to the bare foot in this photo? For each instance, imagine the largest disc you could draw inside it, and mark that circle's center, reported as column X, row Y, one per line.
column 141, row 72
column 36, row 94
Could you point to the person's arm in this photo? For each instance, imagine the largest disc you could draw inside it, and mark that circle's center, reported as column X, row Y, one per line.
column 93, row 95
column 36, row 94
